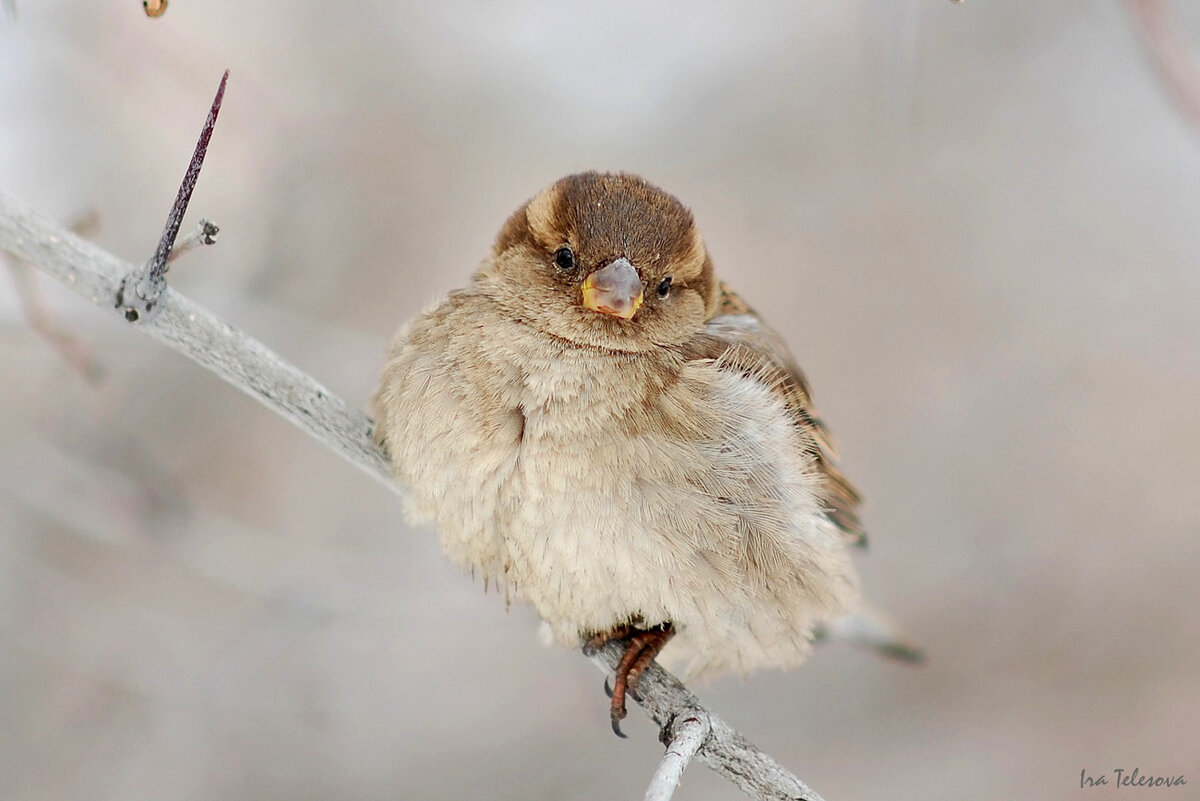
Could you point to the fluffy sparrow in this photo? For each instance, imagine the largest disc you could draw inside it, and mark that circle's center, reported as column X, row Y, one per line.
column 601, row 427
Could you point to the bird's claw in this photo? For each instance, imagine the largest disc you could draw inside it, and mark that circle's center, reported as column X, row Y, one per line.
column 617, row 714
column 616, row 710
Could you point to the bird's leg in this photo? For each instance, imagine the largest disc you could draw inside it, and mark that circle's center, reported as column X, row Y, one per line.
column 643, row 646
column 662, row 636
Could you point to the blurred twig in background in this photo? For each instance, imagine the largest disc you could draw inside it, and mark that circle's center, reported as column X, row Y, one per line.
column 1169, row 55
column 45, row 322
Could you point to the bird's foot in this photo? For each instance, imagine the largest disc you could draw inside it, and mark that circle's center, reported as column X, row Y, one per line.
column 598, row 641
column 642, row 647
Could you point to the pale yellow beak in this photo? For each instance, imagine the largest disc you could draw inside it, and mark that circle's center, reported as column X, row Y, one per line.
column 616, row 289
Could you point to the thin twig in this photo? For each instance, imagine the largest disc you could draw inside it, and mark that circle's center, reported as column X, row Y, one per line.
column 205, row 234
column 687, row 736
column 1169, row 56
column 140, row 294
column 253, row 368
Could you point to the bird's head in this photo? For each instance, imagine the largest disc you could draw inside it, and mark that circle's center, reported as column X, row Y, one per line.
column 604, row 259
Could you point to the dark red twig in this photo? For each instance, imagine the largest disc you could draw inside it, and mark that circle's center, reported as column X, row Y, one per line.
column 141, row 291
column 158, row 265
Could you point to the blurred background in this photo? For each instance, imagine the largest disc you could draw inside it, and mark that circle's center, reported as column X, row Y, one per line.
column 976, row 225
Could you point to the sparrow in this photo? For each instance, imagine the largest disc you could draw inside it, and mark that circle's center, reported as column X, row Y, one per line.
column 606, row 431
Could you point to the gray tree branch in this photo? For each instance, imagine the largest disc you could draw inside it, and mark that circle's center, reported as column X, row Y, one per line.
column 259, row 372
column 687, row 735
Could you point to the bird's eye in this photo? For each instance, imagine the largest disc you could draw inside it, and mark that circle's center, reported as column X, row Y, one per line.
column 664, row 288
column 564, row 258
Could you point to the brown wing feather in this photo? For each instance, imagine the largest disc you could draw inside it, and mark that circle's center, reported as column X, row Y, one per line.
column 740, row 340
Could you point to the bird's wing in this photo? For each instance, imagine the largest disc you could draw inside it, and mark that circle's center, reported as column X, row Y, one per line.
column 738, row 339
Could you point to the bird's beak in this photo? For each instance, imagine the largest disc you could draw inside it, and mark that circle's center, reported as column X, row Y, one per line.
column 616, row 289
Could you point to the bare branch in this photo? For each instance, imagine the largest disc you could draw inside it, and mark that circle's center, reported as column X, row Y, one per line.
column 192, row 330
column 687, row 736
column 256, row 370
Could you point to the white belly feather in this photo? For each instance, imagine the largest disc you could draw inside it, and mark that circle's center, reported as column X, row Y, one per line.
column 547, row 495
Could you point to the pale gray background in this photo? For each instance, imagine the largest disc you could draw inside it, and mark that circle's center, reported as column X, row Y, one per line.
column 977, row 225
